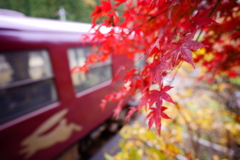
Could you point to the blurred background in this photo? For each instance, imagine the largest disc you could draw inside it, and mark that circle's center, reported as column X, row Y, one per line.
column 70, row 10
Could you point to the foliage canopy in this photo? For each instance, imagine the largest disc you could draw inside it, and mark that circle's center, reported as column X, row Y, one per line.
column 166, row 33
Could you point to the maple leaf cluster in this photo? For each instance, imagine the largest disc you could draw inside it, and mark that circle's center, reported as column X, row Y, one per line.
column 165, row 32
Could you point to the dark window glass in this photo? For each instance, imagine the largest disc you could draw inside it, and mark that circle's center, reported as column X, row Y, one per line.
column 26, row 83
column 99, row 73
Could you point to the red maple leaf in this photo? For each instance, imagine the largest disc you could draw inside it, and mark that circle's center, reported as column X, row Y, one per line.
column 157, row 69
column 78, row 69
column 201, row 19
column 92, row 58
column 130, row 113
column 106, row 6
column 115, row 78
column 118, row 109
column 119, row 2
column 103, row 104
column 184, row 48
column 157, row 97
column 143, row 103
column 154, row 117
column 100, row 11
column 129, row 75
column 96, row 14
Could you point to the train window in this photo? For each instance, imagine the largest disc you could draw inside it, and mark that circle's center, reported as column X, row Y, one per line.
column 19, row 66
column 26, row 83
column 99, row 73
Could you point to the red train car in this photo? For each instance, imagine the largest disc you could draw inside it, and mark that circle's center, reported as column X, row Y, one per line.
column 44, row 107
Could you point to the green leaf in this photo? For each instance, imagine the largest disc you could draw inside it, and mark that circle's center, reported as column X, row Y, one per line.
column 133, row 154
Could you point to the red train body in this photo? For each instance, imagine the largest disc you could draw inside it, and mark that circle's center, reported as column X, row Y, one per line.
column 44, row 107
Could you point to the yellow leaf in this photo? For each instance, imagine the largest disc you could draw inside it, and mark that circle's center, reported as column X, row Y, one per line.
column 215, row 157
column 172, row 148
column 129, row 145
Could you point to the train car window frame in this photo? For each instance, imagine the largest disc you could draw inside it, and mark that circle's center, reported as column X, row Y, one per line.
column 84, row 81
column 26, row 83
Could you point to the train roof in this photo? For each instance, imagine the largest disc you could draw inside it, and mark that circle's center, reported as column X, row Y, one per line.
column 24, row 23
column 66, row 31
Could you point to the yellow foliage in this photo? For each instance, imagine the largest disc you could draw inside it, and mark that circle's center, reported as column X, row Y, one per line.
column 171, row 150
column 209, row 57
column 201, row 51
column 129, row 145
column 196, row 114
column 215, row 157
column 138, row 143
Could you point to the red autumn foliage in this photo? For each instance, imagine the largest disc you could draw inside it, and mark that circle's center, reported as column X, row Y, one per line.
column 166, row 32
column 155, row 116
